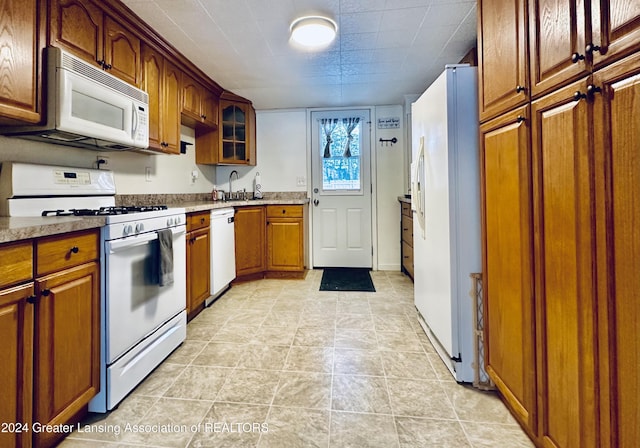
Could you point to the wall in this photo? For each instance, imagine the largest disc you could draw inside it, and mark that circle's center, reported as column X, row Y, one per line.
column 169, row 173
column 281, row 153
column 284, row 156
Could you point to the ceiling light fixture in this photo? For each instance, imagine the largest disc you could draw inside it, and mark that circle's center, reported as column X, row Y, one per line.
column 313, row 31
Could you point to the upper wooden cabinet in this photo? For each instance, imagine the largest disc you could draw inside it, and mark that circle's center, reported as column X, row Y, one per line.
column 502, row 56
column 161, row 80
column 20, row 92
column 83, row 29
column 199, row 105
column 615, row 30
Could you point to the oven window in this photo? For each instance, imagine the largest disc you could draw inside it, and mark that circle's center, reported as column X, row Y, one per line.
column 92, row 109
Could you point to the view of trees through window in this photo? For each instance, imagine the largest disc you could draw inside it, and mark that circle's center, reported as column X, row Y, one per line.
column 339, row 172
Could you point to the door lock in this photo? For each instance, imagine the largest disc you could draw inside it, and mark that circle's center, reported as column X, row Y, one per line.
column 316, row 202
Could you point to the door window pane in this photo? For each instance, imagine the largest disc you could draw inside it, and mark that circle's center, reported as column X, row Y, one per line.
column 340, row 172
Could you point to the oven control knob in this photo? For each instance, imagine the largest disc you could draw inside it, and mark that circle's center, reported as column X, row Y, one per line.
column 170, row 222
column 127, row 230
column 139, row 227
column 178, row 220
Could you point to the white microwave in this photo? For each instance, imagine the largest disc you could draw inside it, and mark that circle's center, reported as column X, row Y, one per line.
column 89, row 108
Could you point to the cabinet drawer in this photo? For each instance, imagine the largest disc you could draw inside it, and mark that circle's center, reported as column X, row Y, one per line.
column 198, row 220
column 16, row 263
column 407, row 230
column 284, row 211
column 407, row 258
column 406, row 209
column 60, row 252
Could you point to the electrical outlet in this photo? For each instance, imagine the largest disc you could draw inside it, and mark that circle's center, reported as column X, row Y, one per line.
column 301, row 181
column 147, row 173
column 102, row 162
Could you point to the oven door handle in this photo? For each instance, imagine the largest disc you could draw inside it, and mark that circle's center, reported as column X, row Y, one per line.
column 139, row 240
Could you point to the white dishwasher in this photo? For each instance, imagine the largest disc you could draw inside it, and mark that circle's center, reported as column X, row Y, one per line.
column 223, row 251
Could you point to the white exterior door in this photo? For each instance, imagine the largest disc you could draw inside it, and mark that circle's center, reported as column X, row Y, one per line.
column 341, row 188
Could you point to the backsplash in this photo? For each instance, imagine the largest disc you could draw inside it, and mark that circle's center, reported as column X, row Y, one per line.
column 176, row 199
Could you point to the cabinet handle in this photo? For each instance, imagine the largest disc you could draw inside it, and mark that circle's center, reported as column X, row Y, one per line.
column 32, row 299
column 74, row 249
column 590, row 48
column 520, row 118
column 201, row 220
column 46, row 292
column 107, row 66
column 575, row 57
column 204, row 117
column 592, row 90
column 284, row 211
column 100, row 62
column 578, row 95
column 520, row 89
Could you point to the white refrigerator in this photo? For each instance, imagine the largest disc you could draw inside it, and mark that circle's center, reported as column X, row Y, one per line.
column 446, row 204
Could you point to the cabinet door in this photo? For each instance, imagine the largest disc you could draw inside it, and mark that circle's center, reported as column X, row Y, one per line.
column 210, row 108
column 251, row 136
column 233, row 146
column 192, row 93
column 565, row 274
column 615, row 29
column 198, row 268
column 502, row 56
column 19, row 65
column 67, row 346
column 617, row 137
column 557, row 43
column 250, row 223
column 170, row 107
column 508, row 261
column 152, row 83
column 76, row 25
column 285, row 245
column 16, row 352
column 122, row 52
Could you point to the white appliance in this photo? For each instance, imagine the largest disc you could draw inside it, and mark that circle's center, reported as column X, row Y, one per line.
column 446, row 200
column 141, row 321
column 88, row 108
column 223, row 258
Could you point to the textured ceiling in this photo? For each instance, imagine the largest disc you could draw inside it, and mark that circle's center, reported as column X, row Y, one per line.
column 385, row 49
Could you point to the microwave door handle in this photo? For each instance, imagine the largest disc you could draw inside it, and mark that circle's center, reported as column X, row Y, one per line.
column 135, row 121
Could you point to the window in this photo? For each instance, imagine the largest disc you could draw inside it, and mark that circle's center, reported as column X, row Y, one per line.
column 341, row 156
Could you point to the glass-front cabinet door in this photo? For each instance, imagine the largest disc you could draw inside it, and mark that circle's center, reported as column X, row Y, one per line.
column 234, row 138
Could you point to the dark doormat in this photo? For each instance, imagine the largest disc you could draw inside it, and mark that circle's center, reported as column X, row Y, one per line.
column 346, row 279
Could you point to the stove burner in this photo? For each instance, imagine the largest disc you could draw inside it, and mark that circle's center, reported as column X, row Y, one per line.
column 105, row 211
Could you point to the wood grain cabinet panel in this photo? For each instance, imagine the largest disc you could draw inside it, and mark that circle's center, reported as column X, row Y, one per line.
column 16, row 263
column 285, row 238
column 198, row 264
column 558, row 34
column 502, row 56
column 122, row 52
column 565, row 275
column 77, row 26
column 615, row 29
column 19, row 62
column 59, row 252
column 16, row 368
column 617, row 142
column 250, row 240
column 508, row 261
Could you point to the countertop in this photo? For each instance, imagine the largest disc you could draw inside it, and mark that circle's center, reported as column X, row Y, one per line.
column 405, row 200
column 19, row 228
column 198, row 206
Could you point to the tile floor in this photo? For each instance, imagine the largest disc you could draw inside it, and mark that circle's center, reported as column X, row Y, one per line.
column 277, row 363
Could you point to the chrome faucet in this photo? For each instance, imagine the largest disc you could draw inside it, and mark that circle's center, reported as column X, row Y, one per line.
column 230, row 179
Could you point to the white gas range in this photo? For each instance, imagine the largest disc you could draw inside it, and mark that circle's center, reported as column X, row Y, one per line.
column 143, row 317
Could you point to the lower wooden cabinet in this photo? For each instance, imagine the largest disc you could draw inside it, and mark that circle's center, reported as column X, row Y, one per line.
column 250, row 237
column 285, row 238
column 406, row 230
column 198, row 261
column 16, row 368
column 50, row 328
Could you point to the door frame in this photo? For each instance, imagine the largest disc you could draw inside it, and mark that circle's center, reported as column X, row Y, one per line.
column 374, row 190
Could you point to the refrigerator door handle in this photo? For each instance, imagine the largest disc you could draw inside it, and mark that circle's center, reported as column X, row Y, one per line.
column 417, row 193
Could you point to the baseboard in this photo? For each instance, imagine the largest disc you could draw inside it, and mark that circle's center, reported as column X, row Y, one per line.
column 389, row 267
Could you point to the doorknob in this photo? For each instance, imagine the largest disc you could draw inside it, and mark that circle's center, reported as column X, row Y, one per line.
column 316, row 202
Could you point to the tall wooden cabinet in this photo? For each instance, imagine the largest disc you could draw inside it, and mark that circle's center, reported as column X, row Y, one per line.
column 508, row 260
column 562, row 300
